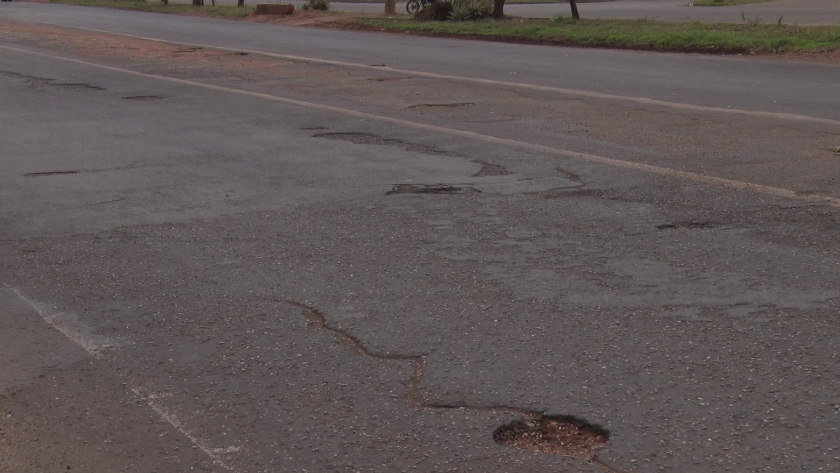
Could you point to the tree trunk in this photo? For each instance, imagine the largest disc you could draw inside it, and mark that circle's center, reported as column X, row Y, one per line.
column 575, row 13
column 390, row 7
column 198, row 3
column 240, row 3
column 165, row 2
column 498, row 9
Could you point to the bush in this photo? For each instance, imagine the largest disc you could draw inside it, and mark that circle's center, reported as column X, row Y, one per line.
column 321, row 5
column 438, row 11
column 465, row 10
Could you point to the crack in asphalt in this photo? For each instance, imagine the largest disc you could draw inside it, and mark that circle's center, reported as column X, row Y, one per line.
column 36, row 82
column 371, row 139
column 319, row 322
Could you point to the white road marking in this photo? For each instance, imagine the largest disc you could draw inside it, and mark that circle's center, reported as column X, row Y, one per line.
column 72, row 328
column 658, row 170
column 70, row 325
column 520, row 85
column 213, row 453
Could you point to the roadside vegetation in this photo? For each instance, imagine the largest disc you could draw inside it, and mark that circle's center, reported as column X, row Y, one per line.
column 752, row 36
column 469, row 19
column 507, row 2
column 319, row 5
column 724, row 3
column 219, row 11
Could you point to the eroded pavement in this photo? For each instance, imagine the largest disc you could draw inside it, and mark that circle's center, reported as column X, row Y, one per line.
column 200, row 279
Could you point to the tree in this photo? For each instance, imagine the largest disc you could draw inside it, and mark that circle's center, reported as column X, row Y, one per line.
column 498, row 9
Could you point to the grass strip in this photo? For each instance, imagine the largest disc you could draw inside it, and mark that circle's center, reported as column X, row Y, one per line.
column 629, row 34
column 724, row 3
column 219, row 11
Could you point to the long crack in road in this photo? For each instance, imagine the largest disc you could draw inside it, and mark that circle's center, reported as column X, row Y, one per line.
column 175, row 220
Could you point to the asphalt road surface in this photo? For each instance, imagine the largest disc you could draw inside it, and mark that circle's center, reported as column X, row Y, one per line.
column 229, row 246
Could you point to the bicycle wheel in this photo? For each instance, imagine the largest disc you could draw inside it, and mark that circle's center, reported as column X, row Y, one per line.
column 412, row 7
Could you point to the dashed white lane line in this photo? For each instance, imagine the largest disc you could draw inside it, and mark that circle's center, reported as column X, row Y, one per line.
column 72, row 328
column 69, row 324
column 518, row 85
column 658, row 170
column 215, row 454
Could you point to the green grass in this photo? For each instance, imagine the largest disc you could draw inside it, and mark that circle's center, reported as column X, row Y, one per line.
column 631, row 34
column 507, row 2
column 715, row 3
column 220, row 11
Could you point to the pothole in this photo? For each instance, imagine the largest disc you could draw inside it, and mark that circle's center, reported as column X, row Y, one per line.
column 390, row 79
column 73, row 86
column 575, row 192
column 557, row 435
column 49, row 173
column 38, row 82
column 440, row 105
column 359, row 138
column 144, row 97
column 675, row 225
column 428, row 189
column 488, row 169
column 569, row 175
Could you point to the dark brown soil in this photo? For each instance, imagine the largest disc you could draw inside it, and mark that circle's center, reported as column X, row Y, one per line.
column 558, row 435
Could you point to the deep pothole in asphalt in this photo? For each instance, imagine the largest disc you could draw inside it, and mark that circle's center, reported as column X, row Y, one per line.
column 429, row 189
column 558, row 435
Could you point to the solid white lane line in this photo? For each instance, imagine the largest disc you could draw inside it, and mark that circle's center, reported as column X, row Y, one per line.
column 213, row 453
column 662, row 171
column 69, row 325
column 520, row 85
